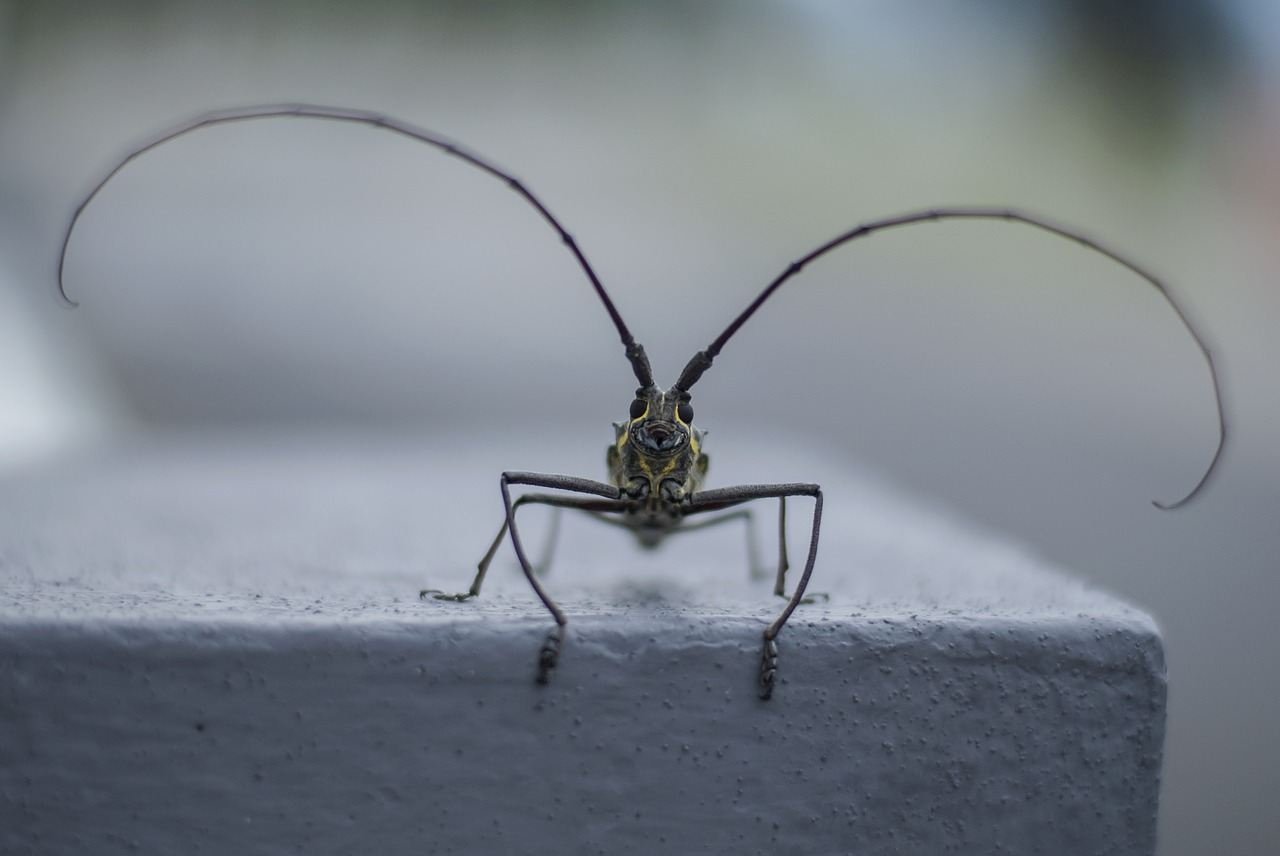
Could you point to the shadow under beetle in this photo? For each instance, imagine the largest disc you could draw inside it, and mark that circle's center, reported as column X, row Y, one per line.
column 656, row 463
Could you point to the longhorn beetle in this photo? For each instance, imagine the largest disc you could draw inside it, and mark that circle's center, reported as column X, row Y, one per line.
column 656, row 463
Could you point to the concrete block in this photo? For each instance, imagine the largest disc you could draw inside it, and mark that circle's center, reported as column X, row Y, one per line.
column 216, row 646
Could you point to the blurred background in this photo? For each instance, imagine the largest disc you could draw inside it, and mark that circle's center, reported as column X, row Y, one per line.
column 297, row 273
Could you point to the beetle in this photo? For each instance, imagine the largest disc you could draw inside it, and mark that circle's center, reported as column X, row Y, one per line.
column 656, row 463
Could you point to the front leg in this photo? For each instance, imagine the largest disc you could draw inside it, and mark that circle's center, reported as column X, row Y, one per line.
column 549, row 653
column 725, row 497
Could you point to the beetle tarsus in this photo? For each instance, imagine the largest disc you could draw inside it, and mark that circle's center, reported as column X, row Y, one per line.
column 808, row 599
column 768, row 667
column 439, row 595
column 549, row 655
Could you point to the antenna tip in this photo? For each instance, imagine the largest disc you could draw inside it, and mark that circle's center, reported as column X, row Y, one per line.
column 67, row 302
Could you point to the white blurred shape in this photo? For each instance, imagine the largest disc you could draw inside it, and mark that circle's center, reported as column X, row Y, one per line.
column 49, row 400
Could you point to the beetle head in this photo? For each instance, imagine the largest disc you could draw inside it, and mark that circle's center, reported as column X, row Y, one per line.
column 657, row 453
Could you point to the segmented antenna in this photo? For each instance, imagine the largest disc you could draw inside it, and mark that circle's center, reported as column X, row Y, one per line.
column 634, row 351
column 702, row 360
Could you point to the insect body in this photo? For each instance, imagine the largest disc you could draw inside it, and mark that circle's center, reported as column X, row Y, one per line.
column 656, row 465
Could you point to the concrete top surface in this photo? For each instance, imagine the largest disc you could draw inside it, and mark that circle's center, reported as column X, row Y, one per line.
column 216, row 645
column 351, row 526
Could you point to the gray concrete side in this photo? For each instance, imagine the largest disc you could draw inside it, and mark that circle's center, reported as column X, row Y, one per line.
column 219, row 649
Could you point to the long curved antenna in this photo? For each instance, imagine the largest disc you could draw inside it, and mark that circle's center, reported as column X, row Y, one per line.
column 702, row 360
column 635, row 351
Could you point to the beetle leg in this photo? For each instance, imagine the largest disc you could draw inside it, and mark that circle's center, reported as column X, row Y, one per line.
column 723, row 497
column 549, row 653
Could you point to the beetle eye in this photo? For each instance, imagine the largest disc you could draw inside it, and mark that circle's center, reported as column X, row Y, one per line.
column 638, row 408
column 685, row 412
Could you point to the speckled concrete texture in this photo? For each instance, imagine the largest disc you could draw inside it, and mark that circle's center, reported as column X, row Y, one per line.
column 218, row 648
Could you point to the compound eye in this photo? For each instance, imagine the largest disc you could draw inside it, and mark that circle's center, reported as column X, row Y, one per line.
column 685, row 412
column 638, row 408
